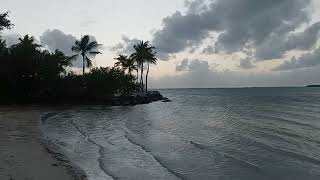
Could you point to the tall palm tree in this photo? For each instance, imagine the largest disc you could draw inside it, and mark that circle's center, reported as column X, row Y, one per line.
column 150, row 60
column 84, row 48
column 142, row 52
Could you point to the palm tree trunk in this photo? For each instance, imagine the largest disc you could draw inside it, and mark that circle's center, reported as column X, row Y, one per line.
column 137, row 74
column 141, row 77
column 147, row 78
column 83, row 65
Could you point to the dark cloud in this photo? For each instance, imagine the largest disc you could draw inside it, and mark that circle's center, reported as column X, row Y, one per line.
column 276, row 46
column 240, row 23
column 195, row 65
column 56, row 39
column 179, row 32
column 305, row 61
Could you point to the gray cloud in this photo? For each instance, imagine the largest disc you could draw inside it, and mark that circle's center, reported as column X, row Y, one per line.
column 195, row 7
column 305, row 61
column 246, row 63
column 56, row 39
column 195, row 65
column 126, row 46
column 276, row 46
column 208, row 50
column 12, row 39
column 241, row 23
column 183, row 66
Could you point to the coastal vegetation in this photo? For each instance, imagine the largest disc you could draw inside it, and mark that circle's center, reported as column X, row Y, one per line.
column 31, row 73
column 144, row 54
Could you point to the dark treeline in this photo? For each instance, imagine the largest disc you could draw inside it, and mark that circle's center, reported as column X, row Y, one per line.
column 29, row 72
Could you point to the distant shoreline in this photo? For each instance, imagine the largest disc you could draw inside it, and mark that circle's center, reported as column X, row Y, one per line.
column 233, row 87
column 313, row 86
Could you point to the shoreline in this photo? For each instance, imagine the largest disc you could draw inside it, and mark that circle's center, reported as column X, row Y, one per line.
column 70, row 168
column 25, row 153
column 129, row 100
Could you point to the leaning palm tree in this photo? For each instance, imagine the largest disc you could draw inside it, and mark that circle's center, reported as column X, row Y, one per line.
column 150, row 60
column 84, row 48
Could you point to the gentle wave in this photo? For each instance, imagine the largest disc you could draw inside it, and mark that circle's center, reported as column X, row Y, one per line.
column 243, row 134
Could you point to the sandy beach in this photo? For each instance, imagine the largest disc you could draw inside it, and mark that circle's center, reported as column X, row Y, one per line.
column 22, row 154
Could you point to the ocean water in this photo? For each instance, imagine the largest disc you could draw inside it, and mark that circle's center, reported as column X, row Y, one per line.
column 236, row 134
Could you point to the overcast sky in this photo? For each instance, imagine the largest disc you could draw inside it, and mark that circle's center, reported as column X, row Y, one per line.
column 200, row 43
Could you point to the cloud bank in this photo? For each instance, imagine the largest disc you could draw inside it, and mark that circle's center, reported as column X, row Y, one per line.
column 263, row 30
column 240, row 23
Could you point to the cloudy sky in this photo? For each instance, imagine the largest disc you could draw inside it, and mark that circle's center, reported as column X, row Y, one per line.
column 200, row 43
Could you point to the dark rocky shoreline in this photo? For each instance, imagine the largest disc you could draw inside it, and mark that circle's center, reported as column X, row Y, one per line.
column 129, row 100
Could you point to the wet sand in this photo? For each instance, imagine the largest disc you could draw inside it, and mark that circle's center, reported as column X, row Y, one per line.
column 22, row 154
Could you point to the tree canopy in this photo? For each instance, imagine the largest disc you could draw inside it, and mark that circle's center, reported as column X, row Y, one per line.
column 5, row 23
column 30, row 72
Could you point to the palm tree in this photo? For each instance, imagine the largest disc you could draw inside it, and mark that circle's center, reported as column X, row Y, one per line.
column 126, row 63
column 3, row 47
column 136, row 65
column 131, row 65
column 150, row 60
column 28, row 42
column 143, row 52
column 85, row 48
column 121, row 61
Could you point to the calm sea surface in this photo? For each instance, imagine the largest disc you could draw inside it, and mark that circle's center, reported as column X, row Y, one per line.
column 238, row 134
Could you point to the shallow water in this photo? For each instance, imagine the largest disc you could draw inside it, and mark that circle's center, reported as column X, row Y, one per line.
column 242, row 134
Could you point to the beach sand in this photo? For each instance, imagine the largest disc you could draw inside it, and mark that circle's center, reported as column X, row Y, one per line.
column 22, row 155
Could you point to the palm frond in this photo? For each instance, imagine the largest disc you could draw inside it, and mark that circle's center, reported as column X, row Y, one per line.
column 84, row 42
column 94, row 52
column 117, row 64
column 73, row 57
column 88, row 62
column 75, row 48
column 92, row 46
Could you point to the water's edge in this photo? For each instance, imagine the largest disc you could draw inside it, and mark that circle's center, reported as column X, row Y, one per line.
column 54, row 151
